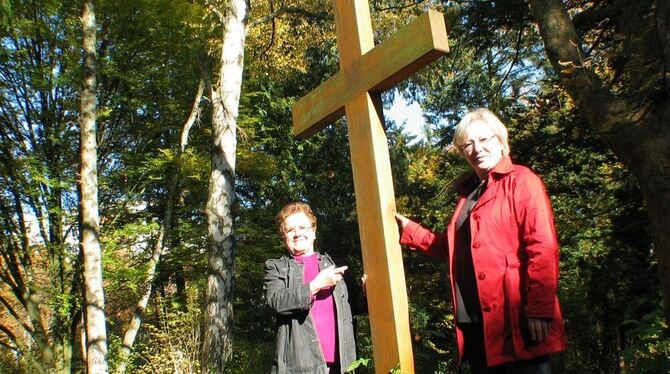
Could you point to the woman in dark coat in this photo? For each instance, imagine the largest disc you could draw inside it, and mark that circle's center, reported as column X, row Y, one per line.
column 311, row 301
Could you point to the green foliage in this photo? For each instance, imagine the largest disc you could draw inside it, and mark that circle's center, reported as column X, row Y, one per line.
column 648, row 349
column 39, row 269
column 7, row 363
column 250, row 357
column 150, row 56
column 173, row 344
column 361, row 362
column 5, row 13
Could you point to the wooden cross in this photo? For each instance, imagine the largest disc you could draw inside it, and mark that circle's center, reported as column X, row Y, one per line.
column 366, row 71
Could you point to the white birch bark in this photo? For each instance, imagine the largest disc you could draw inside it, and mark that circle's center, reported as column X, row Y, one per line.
column 217, row 342
column 94, row 307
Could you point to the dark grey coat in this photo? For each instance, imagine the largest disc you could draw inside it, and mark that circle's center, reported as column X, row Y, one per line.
column 298, row 347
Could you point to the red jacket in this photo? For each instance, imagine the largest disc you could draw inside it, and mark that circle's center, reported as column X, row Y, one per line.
column 515, row 257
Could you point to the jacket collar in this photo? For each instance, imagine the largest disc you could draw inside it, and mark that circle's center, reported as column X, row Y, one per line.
column 323, row 257
column 504, row 166
column 468, row 182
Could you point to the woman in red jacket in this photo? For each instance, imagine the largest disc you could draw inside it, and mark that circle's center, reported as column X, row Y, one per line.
column 503, row 254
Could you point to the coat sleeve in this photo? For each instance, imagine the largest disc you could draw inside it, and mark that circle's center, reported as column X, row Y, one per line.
column 420, row 238
column 540, row 245
column 281, row 299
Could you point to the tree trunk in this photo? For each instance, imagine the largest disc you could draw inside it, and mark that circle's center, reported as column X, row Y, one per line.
column 94, row 301
column 39, row 333
column 173, row 183
column 12, row 276
column 634, row 124
column 217, row 342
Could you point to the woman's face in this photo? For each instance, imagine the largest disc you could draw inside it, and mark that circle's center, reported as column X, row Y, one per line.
column 482, row 149
column 299, row 234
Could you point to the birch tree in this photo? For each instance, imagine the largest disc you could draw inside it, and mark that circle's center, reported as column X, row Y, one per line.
column 225, row 94
column 94, row 308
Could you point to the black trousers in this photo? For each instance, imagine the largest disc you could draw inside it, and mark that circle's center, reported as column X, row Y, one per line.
column 334, row 368
column 474, row 353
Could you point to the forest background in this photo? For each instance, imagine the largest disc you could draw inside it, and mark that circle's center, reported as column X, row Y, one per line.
column 584, row 126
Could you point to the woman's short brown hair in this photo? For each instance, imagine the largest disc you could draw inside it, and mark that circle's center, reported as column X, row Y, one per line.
column 293, row 208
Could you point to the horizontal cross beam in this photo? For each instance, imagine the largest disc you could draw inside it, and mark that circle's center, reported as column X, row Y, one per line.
column 421, row 42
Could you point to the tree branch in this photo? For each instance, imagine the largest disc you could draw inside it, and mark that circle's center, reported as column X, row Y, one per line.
column 15, row 315
column 11, row 348
column 9, row 335
column 216, row 11
column 662, row 19
column 595, row 14
column 320, row 16
column 517, row 52
column 605, row 112
column 396, row 7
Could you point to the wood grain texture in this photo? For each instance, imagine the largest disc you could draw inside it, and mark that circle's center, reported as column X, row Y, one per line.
column 365, row 71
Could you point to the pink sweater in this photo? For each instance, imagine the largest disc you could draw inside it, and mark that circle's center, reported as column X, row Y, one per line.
column 323, row 309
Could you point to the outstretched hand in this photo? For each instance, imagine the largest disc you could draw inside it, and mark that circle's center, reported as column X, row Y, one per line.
column 402, row 221
column 326, row 278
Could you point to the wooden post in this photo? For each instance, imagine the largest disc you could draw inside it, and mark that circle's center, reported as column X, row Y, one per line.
column 366, row 71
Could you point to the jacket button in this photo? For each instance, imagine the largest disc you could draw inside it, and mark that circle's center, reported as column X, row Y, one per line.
column 475, row 245
column 486, row 308
column 481, row 276
column 475, row 216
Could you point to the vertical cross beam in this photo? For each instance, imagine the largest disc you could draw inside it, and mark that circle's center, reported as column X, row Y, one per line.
column 365, row 71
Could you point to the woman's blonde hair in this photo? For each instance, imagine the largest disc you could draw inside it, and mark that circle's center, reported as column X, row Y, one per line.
column 489, row 119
